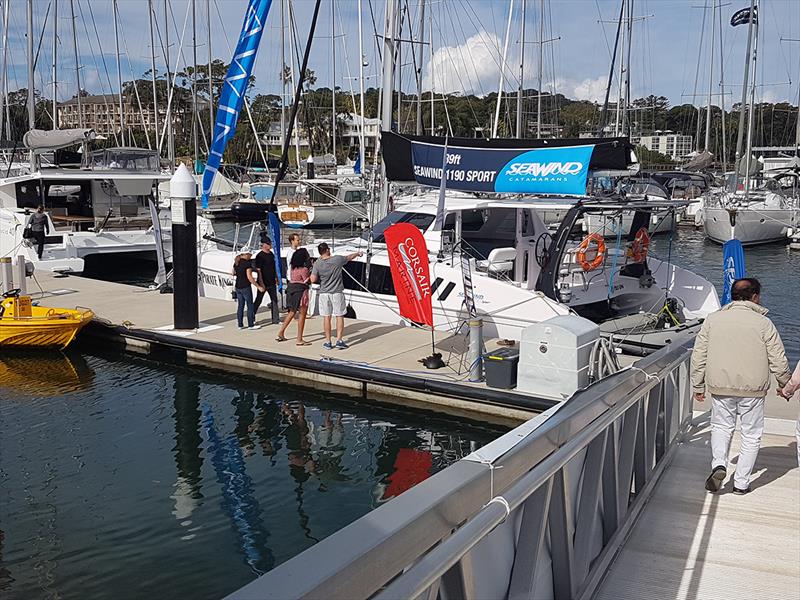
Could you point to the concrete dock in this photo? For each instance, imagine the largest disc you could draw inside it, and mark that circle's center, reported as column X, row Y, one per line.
column 382, row 362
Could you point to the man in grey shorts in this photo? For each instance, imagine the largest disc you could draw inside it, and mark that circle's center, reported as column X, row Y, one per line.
column 327, row 272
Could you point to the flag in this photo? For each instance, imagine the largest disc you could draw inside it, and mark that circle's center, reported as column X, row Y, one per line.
column 408, row 259
column 275, row 230
column 357, row 166
column 234, row 87
column 742, row 17
column 732, row 267
column 439, row 223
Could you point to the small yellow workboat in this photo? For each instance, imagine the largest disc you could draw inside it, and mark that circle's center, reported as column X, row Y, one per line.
column 25, row 325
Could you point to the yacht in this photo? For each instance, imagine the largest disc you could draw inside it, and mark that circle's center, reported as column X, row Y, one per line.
column 520, row 272
column 768, row 212
column 105, row 207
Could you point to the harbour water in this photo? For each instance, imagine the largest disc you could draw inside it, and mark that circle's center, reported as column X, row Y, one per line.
column 124, row 476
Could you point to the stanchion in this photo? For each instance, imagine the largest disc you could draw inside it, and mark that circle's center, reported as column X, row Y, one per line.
column 475, row 354
column 183, row 204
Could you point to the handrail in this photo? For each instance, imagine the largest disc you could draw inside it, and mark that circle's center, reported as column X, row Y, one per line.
column 607, row 441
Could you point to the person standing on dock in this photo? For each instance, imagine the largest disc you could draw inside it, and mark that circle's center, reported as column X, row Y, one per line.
column 787, row 392
column 328, row 273
column 294, row 244
column 734, row 353
column 264, row 263
column 245, row 278
column 39, row 228
column 297, row 295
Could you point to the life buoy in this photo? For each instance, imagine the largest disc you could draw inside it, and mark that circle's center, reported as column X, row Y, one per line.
column 640, row 245
column 600, row 243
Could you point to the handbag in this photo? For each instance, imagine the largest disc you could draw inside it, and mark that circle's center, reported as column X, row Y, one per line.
column 27, row 233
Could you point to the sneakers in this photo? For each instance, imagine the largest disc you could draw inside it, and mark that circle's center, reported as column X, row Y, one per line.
column 341, row 345
column 741, row 492
column 254, row 327
column 714, row 481
column 241, row 326
column 327, row 346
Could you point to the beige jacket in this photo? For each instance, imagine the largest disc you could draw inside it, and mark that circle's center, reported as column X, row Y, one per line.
column 735, row 352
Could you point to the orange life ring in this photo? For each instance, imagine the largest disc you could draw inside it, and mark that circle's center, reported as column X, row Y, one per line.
column 591, row 265
column 640, row 245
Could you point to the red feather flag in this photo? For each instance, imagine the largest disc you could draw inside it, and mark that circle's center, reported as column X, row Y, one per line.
column 408, row 258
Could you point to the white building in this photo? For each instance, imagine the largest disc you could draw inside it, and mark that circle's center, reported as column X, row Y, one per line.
column 674, row 145
column 351, row 130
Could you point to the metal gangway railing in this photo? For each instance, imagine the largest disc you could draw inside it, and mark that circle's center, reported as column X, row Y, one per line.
column 538, row 513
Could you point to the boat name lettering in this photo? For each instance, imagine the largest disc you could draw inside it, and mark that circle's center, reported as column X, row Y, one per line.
column 414, row 266
column 537, row 169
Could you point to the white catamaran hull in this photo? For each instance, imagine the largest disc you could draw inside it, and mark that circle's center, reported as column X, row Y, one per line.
column 750, row 226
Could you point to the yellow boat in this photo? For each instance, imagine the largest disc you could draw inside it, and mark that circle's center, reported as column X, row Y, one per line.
column 25, row 325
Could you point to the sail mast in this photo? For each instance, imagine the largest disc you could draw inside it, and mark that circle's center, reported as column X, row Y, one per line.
column 361, row 149
column 210, row 81
column 333, row 81
column 541, row 68
column 502, row 70
column 31, row 104
column 710, row 73
column 119, row 72
column 419, row 63
column 387, row 93
column 55, row 63
column 153, row 69
column 194, row 86
column 751, row 109
column 3, row 99
column 740, row 132
column 521, row 67
column 168, row 116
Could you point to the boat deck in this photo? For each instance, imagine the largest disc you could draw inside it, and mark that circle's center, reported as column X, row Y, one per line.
column 382, row 362
column 689, row 544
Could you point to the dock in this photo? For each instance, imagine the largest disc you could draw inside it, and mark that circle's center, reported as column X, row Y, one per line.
column 382, row 362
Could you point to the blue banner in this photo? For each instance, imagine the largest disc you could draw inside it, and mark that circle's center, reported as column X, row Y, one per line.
column 275, row 231
column 561, row 171
column 234, row 87
column 732, row 267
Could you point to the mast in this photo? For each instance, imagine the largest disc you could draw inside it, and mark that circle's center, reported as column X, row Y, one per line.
column 119, row 72
column 77, row 64
column 3, row 103
column 541, row 68
column 31, row 104
column 293, row 123
column 55, row 63
column 620, row 81
column 751, row 111
column 153, row 69
column 283, row 73
column 710, row 73
column 502, row 70
column 419, row 64
column 361, row 149
column 333, row 81
column 210, row 82
column 521, row 67
column 168, row 124
column 433, row 78
column 722, row 92
column 194, row 85
column 626, row 106
column 387, row 95
column 740, row 132
column 604, row 115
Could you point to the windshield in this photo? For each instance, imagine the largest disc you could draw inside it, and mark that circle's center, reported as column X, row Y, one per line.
column 421, row 220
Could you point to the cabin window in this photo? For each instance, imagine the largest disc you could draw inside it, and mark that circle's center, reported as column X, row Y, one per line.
column 380, row 280
column 354, row 275
column 421, row 220
column 353, row 196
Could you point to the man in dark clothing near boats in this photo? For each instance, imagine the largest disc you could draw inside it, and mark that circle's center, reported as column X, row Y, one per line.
column 39, row 228
column 264, row 263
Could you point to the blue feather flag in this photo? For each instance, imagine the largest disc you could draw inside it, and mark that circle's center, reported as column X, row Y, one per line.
column 732, row 267
column 234, row 88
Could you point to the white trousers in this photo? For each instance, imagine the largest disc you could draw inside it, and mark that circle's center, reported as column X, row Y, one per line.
column 723, row 421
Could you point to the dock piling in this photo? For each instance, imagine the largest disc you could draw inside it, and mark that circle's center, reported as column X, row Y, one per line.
column 18, row 269
column 183, row 204
column 6, row 280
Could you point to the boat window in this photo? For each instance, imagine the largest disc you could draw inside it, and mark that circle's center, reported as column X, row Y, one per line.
column 421, row 220
column 471, row 220
column 354, row 196
column 380, row 280
column 354, row 275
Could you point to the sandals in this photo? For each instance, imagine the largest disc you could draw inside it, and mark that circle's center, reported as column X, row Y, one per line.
column 280, row 338
column 303, row 343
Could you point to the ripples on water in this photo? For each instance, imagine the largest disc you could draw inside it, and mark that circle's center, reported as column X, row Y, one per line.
column 122, row 477
column 775, row 265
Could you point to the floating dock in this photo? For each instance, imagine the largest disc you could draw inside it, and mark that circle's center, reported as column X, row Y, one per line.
column 382, row 362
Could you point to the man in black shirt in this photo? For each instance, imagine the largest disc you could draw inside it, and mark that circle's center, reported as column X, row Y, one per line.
column 264, row 263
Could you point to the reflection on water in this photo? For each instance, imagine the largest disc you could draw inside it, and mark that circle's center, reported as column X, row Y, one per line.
column 777, row 267
column 156, row 480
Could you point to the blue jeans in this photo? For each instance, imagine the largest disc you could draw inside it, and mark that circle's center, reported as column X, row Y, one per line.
column 245, row 296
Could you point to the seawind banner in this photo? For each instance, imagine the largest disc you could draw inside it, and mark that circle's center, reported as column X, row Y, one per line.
column 732, row 267
column 408, row 259
column 234, row 88
column 560, row 170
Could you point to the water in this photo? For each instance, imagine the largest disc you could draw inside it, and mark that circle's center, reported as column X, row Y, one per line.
column 777, row 267
column 126, row 477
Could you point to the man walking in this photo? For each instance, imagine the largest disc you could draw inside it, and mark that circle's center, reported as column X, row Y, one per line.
column 327, row 272
column 734, row 353
column 268, row 278
column 39, row 229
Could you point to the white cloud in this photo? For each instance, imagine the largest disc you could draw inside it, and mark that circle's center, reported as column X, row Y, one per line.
column 471, row 67
column 593, row 90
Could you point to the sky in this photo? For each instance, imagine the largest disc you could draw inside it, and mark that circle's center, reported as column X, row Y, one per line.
column 467, row 37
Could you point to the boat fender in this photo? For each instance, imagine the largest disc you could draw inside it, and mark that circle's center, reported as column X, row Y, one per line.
column 580, row 257
column 640, row 245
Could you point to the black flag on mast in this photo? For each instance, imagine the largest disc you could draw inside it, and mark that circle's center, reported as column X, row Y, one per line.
column 742, row 17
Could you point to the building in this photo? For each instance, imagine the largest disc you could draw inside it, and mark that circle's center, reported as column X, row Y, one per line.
column 669, row 143
column 273, row 136
column 350, row 131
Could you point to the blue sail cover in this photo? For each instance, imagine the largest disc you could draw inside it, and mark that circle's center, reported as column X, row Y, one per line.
column 234, row 87
column 732, row 267
column 558, row 170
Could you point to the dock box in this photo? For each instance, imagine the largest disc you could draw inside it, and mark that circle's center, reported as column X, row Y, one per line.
column 500, row 367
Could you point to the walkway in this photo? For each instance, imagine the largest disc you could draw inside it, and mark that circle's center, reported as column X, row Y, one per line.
column 689, row 544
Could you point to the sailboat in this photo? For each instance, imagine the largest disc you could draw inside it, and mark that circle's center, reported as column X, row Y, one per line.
column 755, row 207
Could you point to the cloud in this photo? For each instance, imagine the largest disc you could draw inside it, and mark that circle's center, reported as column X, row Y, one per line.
column 471, row 67
column 593, row 90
